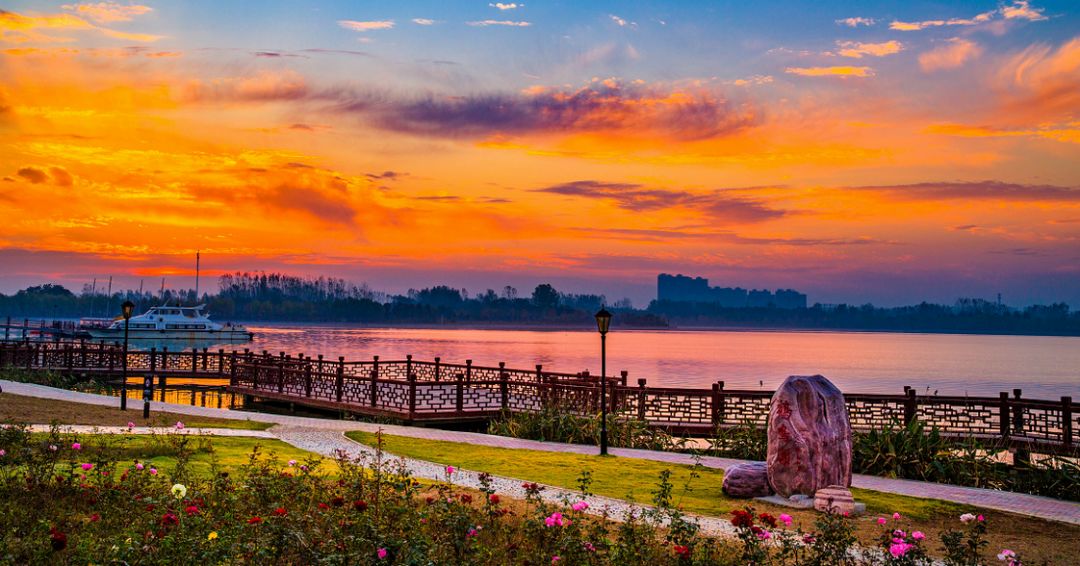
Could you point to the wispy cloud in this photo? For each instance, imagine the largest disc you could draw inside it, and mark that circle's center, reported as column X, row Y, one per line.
column 1018, row 10
column 108, row 12
column 18, row 28
column 504, row 7
column 950, row 55
column 981, row 190
column 837, row 71
column 486, row 23
column 622, row 22
column 858, row 50
column 720, row 204
column 423, row 21
column 856, row 22
column 1042, row 83
column 366, row 26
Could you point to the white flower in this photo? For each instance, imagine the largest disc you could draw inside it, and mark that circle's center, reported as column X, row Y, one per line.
column 179, row 491
column 1006, row 554
column 967, row 518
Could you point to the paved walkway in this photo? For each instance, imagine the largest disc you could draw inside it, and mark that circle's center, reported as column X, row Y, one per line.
column 306, row 429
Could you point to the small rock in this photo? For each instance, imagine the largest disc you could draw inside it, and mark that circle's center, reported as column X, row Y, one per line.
column 747, row 480
column 835, row 498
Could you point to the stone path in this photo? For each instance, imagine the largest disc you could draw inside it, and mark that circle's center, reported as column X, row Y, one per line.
column 317, row 432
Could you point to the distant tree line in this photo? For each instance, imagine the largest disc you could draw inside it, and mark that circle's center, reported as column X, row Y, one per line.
column 281, row 297
column 975, row 316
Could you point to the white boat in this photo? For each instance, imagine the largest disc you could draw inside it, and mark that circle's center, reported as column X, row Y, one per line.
column 172, row 323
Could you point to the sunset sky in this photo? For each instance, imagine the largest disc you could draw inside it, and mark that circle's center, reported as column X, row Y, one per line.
column 884, row 152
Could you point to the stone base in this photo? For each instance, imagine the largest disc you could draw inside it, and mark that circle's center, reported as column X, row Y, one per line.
column 801, row 502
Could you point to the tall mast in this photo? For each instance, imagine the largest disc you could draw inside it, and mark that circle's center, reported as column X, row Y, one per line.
column 93, row 296
column 197, row 277
column 108, row 301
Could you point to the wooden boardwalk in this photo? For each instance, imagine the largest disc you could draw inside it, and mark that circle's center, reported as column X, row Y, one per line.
column 420, row 392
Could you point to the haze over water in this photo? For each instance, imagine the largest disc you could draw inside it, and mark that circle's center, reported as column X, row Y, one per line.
column 951, row 364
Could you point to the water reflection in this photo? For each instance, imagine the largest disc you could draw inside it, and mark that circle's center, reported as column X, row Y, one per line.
column 1045, row 367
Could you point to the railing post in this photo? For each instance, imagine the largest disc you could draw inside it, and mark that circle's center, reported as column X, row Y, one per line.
column 411, row 378
column 623, row 377
column 641, row 399
column 459, row 400
column 112, row 361
column 504, row 386
column 375, row 381
column 339, row 386
column 1066, row 422
column 69, row 355
column 221, row 361
column 1004, row 418
column 437, row 360
column 320, row 367
column 163, row 383
column 232, row 369
column 468, row 370
column 307, row 379
column 715, row 404
column 541, row 389
column 281, row 372
column 205, row 357
column 194, row 360
column 101, row 355
column 1018, row 413
column 910, row 406
column 164, row 358
column 193, row 393
column 82, row 353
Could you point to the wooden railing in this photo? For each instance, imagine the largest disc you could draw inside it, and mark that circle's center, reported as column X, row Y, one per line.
column 422, row 391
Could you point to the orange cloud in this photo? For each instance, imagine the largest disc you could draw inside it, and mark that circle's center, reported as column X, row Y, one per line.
column 857, row 50
column 18, row 28
column 1042, row 82
column 108, row 12
column 838, row 71
column 949, row 56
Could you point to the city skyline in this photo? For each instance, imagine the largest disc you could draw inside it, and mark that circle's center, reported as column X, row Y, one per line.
column 886, row 153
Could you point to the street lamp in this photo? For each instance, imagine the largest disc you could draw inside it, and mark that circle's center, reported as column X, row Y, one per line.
column 125, row 309
column 603, row 322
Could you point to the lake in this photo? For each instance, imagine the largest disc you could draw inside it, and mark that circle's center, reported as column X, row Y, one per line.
column 951, row 364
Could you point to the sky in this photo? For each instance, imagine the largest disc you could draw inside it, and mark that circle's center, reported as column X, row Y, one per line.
column 885, row 152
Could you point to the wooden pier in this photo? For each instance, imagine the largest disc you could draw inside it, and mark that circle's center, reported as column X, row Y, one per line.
column 420, row 392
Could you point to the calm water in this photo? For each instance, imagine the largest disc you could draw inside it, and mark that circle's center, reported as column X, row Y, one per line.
column 1045, row 367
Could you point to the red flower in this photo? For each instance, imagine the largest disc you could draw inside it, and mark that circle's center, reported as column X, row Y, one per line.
column 254, row 520
column 682, row 551
column 323, row 506
column 95, row 518
column 768, row 520
column 280, row 512
column 742, row 519
column 150, row 507
column 360, row 505
column 466, row 498
column 58, row 539
column 493, row 499
column 337, row 501
column 169, row 519
column 192, row 510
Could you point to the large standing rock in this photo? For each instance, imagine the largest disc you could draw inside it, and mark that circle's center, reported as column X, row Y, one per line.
column 809, row 445
column 747, row 480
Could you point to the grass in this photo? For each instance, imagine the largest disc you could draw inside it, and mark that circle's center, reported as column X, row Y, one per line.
column 21, row 409
column 627, row 478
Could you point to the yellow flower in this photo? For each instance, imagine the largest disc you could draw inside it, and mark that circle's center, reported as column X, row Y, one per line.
column 212, row 535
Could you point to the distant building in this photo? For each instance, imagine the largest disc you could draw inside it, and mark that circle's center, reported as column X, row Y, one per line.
column 680, row 288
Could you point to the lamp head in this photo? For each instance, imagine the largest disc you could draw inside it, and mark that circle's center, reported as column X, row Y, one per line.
column 127, row 308
column 603, row 320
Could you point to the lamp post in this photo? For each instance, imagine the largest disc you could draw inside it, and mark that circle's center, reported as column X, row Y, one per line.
column 125, row 309
column 603, row 322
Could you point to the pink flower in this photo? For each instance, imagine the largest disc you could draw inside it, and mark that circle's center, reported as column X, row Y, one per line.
column 450, row 470
column 785, row 519
column 139, row 466
column 555, row 559
column 917, row 535
column 980, row 518
column 1007, row 555
column 556, row 519
column 764, row 535
column 292, row 463
column 898, row 549
column 896, row 516
column 967, row 518
column 580, row 506
column 76, row 446
column 303, row 468
column 882, row 521
column 179, row 425
column 381, row 553
column 131, row 424
column 53, row 447
column 3, row 453
column 153, row 471
column 589, row 546
column 88, row 467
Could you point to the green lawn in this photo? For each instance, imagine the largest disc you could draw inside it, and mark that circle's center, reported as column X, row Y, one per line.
column 623, row 478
